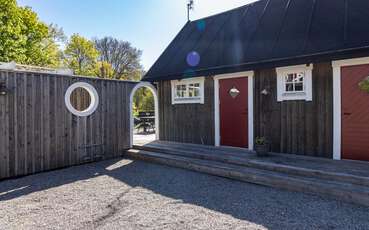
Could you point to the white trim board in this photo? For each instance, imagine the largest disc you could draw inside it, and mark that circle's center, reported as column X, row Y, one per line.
column 250, row 77
column 156, row 100
column 337, row 101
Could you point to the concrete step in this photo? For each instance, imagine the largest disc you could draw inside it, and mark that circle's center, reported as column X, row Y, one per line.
column 339, row 190
column 237, row 159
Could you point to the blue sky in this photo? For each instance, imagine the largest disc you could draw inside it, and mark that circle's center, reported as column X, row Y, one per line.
column 149, row 25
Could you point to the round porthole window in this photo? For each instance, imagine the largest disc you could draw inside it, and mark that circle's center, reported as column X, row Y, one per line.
column 81, row 99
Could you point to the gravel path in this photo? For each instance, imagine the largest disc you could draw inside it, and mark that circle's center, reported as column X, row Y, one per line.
column 124, row 194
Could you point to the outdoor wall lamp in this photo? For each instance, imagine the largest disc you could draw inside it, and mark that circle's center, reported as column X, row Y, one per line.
column 3, row 89
column 265, row 92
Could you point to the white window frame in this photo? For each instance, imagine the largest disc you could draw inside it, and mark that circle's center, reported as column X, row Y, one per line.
column 187, row 82
column 306, row 94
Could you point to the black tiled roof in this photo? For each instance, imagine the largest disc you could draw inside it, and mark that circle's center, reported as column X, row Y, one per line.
column 267, row 33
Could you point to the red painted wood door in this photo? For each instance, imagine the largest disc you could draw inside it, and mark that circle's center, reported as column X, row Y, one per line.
column 233, row 98
column 355, row 114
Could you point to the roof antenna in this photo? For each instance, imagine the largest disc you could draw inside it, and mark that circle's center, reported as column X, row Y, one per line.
column 190, row 6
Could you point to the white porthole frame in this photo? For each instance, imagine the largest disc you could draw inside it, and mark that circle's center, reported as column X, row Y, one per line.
column 93, row 95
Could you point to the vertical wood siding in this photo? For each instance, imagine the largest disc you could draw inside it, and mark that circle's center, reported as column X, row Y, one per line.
column 187, row 123
column 296, row 127
column 38, row 133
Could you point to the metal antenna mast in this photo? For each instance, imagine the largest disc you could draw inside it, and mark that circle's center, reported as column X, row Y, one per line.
column 190, row 6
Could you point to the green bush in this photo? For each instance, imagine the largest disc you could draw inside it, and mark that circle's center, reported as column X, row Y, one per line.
column 364, row 85
column 260, row 140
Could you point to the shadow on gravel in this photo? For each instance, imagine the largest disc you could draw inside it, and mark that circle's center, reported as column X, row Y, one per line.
column 268, row 207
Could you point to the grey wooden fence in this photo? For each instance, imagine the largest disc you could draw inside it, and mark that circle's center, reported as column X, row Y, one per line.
column 38, row 133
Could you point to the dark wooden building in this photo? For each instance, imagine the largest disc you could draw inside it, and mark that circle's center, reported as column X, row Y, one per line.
column 293, row 72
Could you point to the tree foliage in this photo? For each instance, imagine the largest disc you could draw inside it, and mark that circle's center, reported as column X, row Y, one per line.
column 104, row 70
column 123, row 58
column 364, row 85
column 81, row 55
column 143, row 101
column 24, row 38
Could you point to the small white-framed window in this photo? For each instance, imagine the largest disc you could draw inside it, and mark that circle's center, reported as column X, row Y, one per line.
column 188, row 91
column 93, row 99
column 295, row 83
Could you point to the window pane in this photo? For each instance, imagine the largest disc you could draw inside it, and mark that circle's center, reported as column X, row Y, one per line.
column 184, row 88
column 181, row 91
column 197, row 92
column 190, row 90
column 194, row 90
column 178, row 91
column 290, row 77
column 300, row 77
column 294, row 82
column 299, row 87
column 289, row 87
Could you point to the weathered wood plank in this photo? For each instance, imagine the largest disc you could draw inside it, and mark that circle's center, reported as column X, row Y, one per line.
column 4, row 153
column 37, row 115
column 29, row 128
column 21, row 124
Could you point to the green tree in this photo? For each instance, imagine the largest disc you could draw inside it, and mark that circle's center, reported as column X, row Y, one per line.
column 81, row 55
column 24, row 38
column 104, row 70
column 143, row 101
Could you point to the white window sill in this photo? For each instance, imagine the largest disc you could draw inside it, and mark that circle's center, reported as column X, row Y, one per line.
column 295, row 96
column 288, row 94
column 197, row 100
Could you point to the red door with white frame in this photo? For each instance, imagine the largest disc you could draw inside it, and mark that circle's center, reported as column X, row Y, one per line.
column 233, row 99
column 355, row 113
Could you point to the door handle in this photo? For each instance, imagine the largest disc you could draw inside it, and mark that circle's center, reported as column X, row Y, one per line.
column 347, row 114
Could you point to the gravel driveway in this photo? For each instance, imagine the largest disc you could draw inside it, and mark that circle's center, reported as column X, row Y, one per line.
column 125, row 194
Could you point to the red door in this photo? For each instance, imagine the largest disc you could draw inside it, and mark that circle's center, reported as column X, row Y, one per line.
column 233, row 97
column 355, row 114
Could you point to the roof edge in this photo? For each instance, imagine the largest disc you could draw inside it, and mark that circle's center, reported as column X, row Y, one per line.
column 271, row 63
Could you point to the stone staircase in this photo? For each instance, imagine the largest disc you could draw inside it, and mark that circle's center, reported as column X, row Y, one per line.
column 278, row 171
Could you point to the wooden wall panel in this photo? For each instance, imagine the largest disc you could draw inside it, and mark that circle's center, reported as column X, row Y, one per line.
column 38, row 133
column 296, row 127
column 187, row 123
